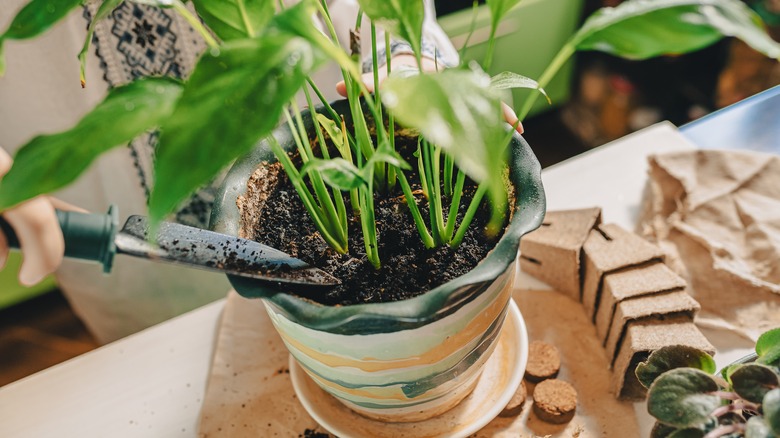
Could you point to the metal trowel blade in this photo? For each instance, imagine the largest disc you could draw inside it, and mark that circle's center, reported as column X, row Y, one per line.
column 206, row 249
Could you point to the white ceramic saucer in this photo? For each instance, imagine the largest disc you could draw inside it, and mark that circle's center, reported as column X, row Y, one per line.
column 498, row 382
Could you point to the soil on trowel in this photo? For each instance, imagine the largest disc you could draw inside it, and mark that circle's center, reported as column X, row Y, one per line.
column 274, row 215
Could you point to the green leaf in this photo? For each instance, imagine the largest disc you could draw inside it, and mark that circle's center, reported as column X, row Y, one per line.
column 403, row 18
column 728, row 370
column 458, row 111
column 234, row 97
column 768, row 347
column 683, row 398
column 671, row 357
column 105, row 8
column 332, row 129
column 337, row 172
column 687, row 433
column 235, row 19
column 753, row 381
column 499, row 8
column 661, row 430
column 640, row 29
column 771, row 408
column 758, row 428
column 507, row 79
column 34, row 19
column 387, row 155
column 49, row 162
column 37, row 17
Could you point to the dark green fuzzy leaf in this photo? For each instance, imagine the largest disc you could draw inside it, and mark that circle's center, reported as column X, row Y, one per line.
column 234, row 97
column 337, row 172
column 34, row 19
column 661, row 430
column 403, row 18
column 458, row 111
column 757, row 428
column 687, row 433
column 768, row 348
column 771, row 408
column 507, row 79
column 728, row 370
column 234, row 19
column 640, row 29
column 49, row 162
column 753, row 381
column 671, row 357
column 683, row 398
column 498, row 9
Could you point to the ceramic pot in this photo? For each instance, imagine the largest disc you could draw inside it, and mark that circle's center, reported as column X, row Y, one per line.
column 399, row 361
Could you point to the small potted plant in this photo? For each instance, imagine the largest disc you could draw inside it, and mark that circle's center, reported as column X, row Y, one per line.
column 687, row 400
column 435, row 142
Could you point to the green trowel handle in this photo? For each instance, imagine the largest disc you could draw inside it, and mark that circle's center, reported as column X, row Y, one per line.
column 87, row 236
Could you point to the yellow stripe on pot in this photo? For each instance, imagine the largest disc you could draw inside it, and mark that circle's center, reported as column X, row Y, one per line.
column 373, row 393
column 477, row 327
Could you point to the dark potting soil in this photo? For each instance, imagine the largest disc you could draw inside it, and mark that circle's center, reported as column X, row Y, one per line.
column 408, row 269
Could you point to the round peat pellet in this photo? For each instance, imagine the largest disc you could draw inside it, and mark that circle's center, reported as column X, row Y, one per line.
column 544, row 362
column 515, row 405
column 555, row 401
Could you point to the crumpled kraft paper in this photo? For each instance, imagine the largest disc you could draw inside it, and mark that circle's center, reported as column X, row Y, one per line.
column 249, row 393
column 718, row 213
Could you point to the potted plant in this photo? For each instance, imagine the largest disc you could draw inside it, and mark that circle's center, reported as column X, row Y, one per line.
column 687, row 400
column 418, row 356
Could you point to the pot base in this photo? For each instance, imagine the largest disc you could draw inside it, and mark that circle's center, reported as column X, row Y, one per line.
column 492, row 391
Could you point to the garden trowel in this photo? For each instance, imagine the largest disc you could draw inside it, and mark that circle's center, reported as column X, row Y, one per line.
column 94, row 237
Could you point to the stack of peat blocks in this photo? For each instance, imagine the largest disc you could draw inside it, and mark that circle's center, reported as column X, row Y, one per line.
column 636, row 302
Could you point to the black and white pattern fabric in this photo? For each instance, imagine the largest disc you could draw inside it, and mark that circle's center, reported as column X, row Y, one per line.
column 136, row 41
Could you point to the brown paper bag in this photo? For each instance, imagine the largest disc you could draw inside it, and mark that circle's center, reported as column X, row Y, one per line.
column 720, row 212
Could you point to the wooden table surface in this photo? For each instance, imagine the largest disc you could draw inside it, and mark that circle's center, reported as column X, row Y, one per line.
column 152, row 384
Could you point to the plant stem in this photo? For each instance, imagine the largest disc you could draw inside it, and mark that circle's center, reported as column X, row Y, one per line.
column 449, row 167
column 330, row 213
column 725, row 429
column 472, row 27
column 245, row 18
column 469, row 216
column 428, row 170
column 341, row 209
column 549, row 73
column 415, row 210
column 368, row 221
column 421, row 168
column 737, row 406
column 306, row 197
column 436, row 205
column 380, row 168
column 193, row 21
column 391, row 170
column 491, row 47
column 452, row 216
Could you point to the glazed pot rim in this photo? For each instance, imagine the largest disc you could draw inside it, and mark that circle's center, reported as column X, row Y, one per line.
column 529, row 209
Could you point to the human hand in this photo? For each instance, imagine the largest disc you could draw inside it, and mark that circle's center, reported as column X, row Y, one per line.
column 428, row 64
column 38, row 231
